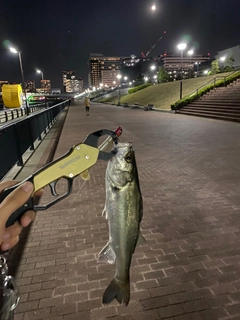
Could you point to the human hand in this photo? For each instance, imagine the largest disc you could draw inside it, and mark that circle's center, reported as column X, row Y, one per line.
column 9, row 237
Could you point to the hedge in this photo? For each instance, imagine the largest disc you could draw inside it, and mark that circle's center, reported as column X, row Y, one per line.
column 142, row 86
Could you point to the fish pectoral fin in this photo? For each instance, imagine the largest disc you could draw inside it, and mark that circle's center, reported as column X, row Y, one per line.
column 85, row 175
column 141, row 239
column 104, row 212
column 107, row 255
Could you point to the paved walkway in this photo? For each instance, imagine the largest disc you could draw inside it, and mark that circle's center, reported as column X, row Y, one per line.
column 189, row 171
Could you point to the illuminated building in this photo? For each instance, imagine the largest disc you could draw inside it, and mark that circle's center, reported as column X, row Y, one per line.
column 30, row 86
column 173, row 64
column 67, row 75
column 46, row 86
column 103, row 70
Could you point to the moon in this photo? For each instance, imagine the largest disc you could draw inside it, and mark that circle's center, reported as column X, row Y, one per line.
column 153, row 7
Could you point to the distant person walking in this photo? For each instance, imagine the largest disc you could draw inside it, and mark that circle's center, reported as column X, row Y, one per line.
column 87, row 105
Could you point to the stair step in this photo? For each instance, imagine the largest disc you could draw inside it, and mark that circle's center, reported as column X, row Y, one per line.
column 215, row 110
column 221, row 103
column 215, row 103
column 211, row 107
column 211, row 113
column 211, row 116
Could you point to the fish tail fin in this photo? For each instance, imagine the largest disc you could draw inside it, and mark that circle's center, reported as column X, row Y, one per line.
column 117, row 290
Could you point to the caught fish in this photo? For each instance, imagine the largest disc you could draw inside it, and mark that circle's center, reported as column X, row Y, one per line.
column 124, row 210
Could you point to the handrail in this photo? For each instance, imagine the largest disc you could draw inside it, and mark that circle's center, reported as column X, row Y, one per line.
column 210, row 81
column 19, row 136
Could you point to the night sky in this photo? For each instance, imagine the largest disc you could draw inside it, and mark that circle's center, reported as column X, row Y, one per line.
column 59, row 35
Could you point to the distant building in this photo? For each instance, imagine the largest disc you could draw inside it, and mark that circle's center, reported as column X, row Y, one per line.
column 74, row 86
column 56, row 90
column 103, row 70
column 46, row 86
column 233, row 52
column 30, row 86
column 174, row 65
column 66, row 76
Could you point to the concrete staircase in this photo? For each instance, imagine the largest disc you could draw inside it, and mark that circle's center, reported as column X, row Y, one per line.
column 221, row 103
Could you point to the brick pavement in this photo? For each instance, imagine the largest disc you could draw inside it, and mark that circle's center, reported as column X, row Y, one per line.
column 189, row 172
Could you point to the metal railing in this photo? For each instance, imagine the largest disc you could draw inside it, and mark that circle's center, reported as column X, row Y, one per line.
column 213, row 82
column 17, row 137
column 11, row 114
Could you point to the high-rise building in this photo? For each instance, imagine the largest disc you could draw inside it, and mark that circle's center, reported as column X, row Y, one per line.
column 103, row 70
column 30, row 86
column 46, row 86
column 67, row 75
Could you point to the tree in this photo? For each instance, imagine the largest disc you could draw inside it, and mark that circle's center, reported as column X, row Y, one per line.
column 229, row 67
column 214, row 67
column 139, row 80
column 162, row 75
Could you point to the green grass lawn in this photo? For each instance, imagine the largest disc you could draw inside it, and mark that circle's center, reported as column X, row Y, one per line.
column 165, row 94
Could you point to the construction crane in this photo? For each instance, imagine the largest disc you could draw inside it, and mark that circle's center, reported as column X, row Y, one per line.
column 144, row 56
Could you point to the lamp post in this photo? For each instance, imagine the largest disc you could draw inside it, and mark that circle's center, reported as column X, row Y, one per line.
column 13, row 50
column 190, row 53
column 181, row 47
column 39, row 71
column 153, row 67
column 42, row 85
column 197, row 64
column 119, row 77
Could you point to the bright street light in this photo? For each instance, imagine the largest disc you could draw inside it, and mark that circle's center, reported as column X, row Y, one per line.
column 153, row 68
column 181, row 46
column 13, row 50
column 222, row 59
column 39, row 71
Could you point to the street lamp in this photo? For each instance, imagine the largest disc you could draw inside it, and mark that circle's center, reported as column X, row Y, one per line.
column 181, row 47
column 13, row 50
column 153, row 67
column 119, row 77
column 197, row 64
column 190, row 53
column 222, row 59
column 39, row 71
column 42, row 85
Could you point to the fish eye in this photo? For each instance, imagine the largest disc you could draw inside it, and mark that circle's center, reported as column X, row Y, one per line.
column 128, row 158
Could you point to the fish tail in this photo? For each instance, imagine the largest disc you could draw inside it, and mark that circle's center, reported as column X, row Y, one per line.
column 117, row 290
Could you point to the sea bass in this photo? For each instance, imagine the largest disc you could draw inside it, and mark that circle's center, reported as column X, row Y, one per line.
column 124, row 210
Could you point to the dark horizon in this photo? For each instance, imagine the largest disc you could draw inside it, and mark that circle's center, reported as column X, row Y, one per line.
column 56, row 37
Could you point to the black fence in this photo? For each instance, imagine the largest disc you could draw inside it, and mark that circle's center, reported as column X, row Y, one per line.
column 16, row 138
